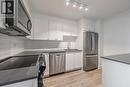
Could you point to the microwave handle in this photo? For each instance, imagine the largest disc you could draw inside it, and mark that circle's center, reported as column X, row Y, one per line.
column 29, row 21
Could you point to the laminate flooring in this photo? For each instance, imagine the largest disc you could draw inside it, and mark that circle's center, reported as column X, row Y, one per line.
column 75, row 79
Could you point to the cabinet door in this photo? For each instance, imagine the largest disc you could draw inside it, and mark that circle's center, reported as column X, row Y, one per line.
column 74, row 61
column 55, row 30
column 28, row 83
column 78, row 60
column 40, row 29
column 34, row 83
column 70, row 29
column 69, row 61
column 59, row 31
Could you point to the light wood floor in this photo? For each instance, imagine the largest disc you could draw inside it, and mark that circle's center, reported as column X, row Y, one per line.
column 75, row 79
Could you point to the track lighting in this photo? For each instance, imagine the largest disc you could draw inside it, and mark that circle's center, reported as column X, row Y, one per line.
column 78, row 4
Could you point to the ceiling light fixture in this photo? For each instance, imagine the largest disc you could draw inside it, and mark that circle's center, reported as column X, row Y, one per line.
column 67, row 3
column 81, row 7
column 86, row 9
column 77, row 3
column 74, row 5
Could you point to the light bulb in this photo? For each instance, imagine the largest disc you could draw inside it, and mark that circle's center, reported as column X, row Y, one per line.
column 81, row 7
column 86, row 9
column 67, row 3
column 74, row 5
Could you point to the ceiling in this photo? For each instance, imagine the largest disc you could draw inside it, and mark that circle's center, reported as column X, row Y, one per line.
column 97, row 8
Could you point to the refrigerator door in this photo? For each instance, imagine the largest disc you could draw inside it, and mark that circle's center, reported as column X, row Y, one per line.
column 87, row 43
column 90, row 62
column 90, row 42
column 94, row 39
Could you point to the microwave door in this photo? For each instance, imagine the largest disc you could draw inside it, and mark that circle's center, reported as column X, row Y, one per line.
column 23, row 17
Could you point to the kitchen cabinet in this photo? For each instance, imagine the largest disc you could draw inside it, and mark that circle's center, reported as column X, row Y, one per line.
column 46, row 74
column 40, row 28
column 55, row 30
column 70, row 29
column 78, row 60
column 73, row 61
column 28, row 83
column 51, row 28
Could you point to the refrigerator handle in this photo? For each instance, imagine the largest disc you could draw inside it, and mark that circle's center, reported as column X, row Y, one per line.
column 91, row 44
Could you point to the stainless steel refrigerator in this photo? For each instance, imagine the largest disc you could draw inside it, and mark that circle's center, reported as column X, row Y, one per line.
column 90, row 51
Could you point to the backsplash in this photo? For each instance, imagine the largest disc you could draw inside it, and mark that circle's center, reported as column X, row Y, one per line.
column 10, row 45
column 35, row 44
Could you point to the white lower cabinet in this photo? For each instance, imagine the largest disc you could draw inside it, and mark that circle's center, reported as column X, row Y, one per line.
column 73, row 61
column 28, row 83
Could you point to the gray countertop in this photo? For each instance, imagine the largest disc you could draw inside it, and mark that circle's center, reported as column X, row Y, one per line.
column 14, row 75
column 73, row 50
column 27, row 53
column 54, row 50
column 123, row 58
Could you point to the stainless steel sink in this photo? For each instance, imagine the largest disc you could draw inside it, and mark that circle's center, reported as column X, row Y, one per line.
column 18, row 62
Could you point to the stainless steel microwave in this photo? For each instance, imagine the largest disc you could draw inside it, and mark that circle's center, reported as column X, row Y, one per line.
column 17, row 18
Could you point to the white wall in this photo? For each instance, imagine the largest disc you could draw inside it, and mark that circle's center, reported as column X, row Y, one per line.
column 10, row 46
column 117, row 34
column 84, row 25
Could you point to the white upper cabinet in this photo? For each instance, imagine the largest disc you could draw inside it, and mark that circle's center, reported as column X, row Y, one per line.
column 55, row 30
column 70, row 29
column 40, row 28
column 52, row 28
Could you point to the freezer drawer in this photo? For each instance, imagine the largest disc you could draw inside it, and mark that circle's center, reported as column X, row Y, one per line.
column 56, row 63
column 90, row 62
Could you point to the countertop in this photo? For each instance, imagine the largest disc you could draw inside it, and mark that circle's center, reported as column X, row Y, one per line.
column 72, row 50
column 53, row 50
column 27, row 53
column 15, row 75
column 123, row 58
